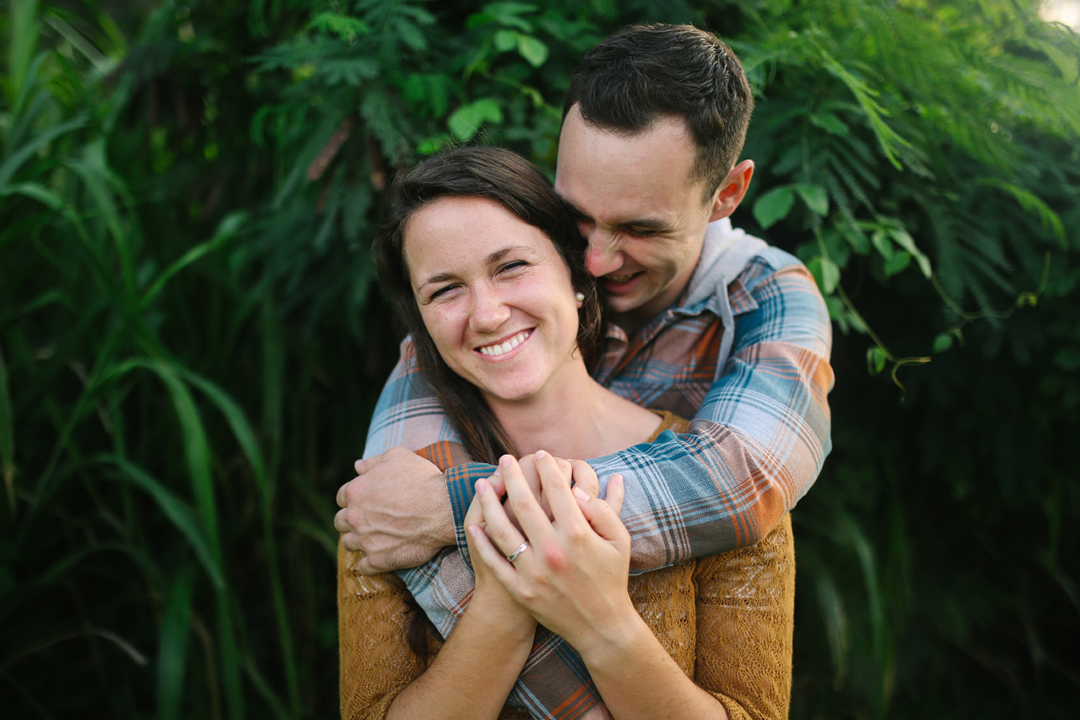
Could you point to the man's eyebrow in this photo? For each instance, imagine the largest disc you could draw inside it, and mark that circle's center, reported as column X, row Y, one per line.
column 645, row 224
column 655, row 224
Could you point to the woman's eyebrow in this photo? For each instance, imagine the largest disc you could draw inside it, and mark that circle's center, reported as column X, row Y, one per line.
column 440, row 277
column 498, row 255
column 492, row 258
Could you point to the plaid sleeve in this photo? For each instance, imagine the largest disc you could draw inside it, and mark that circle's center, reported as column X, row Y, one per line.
column 408, row 412
column 757, row 443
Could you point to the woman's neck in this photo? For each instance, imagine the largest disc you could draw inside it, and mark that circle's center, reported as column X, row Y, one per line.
column 575, row 418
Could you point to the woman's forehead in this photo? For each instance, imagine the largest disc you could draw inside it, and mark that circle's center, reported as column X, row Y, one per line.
column 467, row 231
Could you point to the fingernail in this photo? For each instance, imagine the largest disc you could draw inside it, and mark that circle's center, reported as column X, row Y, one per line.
column 581, row 494
column 481, row 487
column 504, row 461
column 540, row 454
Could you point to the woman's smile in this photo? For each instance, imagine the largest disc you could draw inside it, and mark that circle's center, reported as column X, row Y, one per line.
column 499, row 349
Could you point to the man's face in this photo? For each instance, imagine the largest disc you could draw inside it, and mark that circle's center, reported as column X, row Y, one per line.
column 637, row 205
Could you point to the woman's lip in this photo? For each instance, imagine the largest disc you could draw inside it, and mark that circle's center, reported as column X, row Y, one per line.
column 527, row 332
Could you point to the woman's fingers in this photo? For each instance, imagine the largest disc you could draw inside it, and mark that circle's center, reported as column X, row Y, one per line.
column 555, row 484
column 584, row 476
column 490, row 556
column 527, row 511
column 497, row 526
column 616, row 493
column 601, row 515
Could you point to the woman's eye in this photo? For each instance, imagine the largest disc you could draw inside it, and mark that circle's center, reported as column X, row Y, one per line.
column 441, row 292
column 513, row 265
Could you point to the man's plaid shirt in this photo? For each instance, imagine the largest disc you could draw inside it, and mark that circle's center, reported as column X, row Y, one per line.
column 745, row 354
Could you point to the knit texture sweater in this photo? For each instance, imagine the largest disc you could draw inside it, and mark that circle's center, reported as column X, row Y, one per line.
column 727, row 621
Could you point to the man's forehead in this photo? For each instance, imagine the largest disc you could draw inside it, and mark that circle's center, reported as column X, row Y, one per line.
column 612, row 169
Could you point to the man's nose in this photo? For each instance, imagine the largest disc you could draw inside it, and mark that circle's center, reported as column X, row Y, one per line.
column 489, row 309
column 602, row 256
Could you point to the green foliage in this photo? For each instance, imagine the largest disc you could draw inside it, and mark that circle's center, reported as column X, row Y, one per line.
column 191, row 341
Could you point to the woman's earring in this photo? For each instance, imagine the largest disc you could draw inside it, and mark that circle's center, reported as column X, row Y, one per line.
column 580, row 297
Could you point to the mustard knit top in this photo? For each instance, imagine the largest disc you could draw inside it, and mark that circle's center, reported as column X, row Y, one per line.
column 726, row 619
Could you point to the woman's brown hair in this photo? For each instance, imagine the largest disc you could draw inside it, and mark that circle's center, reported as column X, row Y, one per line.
column 517, row 185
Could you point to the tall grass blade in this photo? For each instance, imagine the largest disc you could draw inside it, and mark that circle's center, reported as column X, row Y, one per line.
column 7, row 439
column 177, row 511
column 245, row 436
column 14, row 161
column 833, row 614
column 172, row 649
column 226, row 231
column 23, row 35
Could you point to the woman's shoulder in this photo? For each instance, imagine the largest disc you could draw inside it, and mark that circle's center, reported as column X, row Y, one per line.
column 669, row 421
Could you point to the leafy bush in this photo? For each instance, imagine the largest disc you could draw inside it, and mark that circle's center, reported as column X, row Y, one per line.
column 191, row 340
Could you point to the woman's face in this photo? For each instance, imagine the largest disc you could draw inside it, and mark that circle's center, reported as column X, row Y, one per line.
column 495, row 295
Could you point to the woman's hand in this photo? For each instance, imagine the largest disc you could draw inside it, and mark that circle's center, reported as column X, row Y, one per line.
column 572, row 576
column 490, row 596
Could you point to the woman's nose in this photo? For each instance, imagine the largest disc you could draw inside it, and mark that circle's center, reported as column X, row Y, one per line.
column 489, row 310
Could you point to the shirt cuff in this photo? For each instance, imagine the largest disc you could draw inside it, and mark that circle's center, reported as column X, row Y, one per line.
column 461, row 485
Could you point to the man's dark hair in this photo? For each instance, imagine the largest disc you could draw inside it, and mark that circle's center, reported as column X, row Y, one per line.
column 644, row 73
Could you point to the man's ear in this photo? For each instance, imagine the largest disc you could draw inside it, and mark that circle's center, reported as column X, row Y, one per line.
column 731, row 191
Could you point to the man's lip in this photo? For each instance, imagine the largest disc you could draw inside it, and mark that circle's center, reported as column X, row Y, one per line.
column 611, row 284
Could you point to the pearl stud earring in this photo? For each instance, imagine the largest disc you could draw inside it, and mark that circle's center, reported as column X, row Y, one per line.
column 580, row 297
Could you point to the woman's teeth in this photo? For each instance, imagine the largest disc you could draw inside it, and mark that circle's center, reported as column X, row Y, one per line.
column 503, row 348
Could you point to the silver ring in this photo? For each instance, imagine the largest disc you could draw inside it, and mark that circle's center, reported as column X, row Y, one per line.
column 521, row 548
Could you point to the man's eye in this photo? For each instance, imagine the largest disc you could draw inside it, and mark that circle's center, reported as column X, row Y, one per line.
column 642, row 232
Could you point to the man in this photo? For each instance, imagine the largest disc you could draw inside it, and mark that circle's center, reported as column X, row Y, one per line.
column 707, row 322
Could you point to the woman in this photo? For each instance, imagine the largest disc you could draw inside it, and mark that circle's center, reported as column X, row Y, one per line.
column 486, row 268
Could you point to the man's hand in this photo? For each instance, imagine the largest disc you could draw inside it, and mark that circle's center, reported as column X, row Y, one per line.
column 396, row 511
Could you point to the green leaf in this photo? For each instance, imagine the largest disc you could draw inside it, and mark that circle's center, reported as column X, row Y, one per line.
column 897, row 263
column 880, row 240
column 943, row 342
column 467, row 119
column 825, row 272
column 857, row 240
column 829, row 123
column 506, row 40
column 830, row 275
column 904, row 240
column 506, row 13
column 1031, row 203
column 533, row 50
column 773, row 206
column 815, row 198
column 875, row 360
column 429, row 91
column 1068, row 359
column 345, row 27
column 433, row 144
